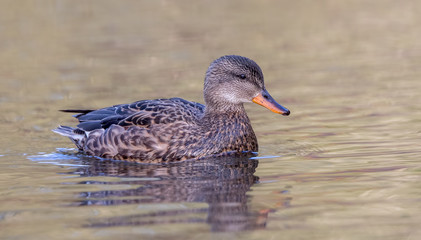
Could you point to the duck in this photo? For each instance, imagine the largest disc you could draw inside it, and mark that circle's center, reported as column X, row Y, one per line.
column 174, row 129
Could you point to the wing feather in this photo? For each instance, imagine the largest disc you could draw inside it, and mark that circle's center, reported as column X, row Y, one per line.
column 144, row 113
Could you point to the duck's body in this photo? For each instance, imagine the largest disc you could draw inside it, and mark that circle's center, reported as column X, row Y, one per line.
column 175, row 129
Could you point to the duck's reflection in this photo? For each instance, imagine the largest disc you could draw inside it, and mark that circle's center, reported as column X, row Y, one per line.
column 220, row 182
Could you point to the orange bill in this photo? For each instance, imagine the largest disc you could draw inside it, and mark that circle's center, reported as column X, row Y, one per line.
column 268, row 102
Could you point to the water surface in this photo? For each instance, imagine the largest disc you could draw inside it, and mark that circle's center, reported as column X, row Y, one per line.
column 344, row 165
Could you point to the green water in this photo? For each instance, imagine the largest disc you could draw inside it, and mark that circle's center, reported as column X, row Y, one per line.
column 344, row 165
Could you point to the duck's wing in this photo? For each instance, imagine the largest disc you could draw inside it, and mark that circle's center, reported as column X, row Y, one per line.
column 141, row 113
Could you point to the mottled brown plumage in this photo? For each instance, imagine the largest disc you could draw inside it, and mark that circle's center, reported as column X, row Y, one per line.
column 175, row 129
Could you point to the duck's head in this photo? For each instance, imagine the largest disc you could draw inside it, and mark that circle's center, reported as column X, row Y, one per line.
column 233, row 80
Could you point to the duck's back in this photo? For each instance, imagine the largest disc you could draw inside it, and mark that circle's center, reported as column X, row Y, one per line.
column 144, row 113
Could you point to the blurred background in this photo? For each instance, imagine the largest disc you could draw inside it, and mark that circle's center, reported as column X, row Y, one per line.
column 343, row 165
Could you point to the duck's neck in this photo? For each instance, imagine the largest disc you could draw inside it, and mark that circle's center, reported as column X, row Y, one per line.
column 213, row 108
column 228, row 128
column 225, row 114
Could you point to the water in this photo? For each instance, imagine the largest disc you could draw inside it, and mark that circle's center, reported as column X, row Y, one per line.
column 343, row 165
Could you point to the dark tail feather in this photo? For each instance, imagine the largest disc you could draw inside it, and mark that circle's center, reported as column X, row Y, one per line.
column 80, row 112
column 83, row 111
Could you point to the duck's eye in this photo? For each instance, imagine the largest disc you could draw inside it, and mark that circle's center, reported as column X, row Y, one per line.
column 242, row 76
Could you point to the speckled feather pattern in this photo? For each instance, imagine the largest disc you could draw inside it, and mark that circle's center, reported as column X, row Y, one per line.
column 166, row 130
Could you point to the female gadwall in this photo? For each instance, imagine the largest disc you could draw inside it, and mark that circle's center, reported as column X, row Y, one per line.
column 165, row 130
